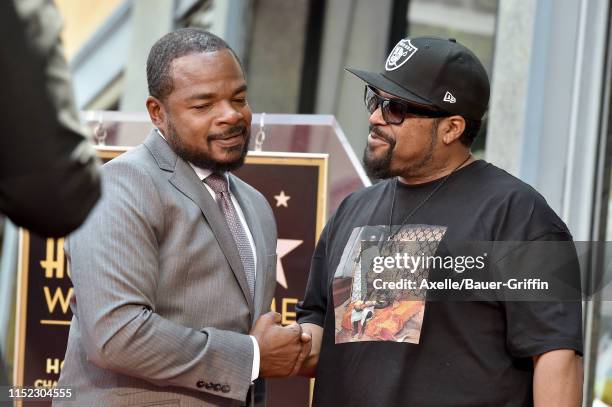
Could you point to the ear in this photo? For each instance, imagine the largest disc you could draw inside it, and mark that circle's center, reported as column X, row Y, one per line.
column 157, row 112
column 451, row 128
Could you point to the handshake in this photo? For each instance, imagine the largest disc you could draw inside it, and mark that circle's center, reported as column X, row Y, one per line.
column 282, row 350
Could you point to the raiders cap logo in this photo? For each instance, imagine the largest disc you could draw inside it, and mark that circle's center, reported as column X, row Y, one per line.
column 402, row 52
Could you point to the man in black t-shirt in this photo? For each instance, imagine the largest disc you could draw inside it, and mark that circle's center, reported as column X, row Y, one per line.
column 378, row 337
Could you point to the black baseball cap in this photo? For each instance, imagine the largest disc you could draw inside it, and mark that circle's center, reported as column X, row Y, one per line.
column 436, row 72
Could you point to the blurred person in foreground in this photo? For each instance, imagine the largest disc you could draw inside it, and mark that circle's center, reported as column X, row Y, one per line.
column 174, row 271
column 49, row 178
column 425, row 110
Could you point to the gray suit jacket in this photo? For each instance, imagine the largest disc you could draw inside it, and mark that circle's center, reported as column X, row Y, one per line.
column 162, row 306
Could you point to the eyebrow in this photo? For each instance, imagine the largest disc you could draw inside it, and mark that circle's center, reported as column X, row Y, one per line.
column 240, row 89
column 203, row 96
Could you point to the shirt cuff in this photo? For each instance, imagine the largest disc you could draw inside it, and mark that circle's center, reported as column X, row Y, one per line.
column 255, row 370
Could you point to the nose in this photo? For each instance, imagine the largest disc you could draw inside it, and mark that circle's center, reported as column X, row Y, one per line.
column 229, row 114
column 376, row 118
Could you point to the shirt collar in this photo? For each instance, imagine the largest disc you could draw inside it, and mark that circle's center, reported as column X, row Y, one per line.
column 202, row 173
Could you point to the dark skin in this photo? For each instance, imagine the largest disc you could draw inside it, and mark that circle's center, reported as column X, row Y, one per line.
column 203, row 114
column 413, row 138
column 208, row 98
column 286, row 348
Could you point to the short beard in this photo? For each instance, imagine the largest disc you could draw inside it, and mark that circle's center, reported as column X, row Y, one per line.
column 380, row 167
column 204, row 160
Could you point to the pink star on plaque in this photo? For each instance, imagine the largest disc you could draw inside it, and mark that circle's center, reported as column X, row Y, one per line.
column 283, row 247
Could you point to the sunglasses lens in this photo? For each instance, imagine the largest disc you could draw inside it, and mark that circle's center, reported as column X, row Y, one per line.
column 371, row 100
column 393, row 112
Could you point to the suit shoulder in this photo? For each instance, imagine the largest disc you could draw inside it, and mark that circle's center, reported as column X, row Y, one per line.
column 136, row 161
column 133, row 156
column 135, row 176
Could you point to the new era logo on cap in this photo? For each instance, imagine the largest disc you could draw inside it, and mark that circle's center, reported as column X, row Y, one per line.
column 448, row 97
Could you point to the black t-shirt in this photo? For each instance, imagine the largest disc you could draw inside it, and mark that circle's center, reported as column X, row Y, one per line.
column 388, row 352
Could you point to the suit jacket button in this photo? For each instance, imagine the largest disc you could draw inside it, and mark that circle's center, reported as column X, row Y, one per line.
column 209, row 386
column 226, row 388
column 217, row 387
column 200, row 384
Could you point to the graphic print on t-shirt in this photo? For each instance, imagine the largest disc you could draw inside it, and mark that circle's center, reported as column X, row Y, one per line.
column 382, row 303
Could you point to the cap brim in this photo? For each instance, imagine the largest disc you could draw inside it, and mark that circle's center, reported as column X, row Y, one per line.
column 379, row 81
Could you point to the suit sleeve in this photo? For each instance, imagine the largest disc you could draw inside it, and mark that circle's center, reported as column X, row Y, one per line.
column 49, row 178
column 115, row 270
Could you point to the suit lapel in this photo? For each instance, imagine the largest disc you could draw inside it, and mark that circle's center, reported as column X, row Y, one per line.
column 251, row 218
column 186, row 181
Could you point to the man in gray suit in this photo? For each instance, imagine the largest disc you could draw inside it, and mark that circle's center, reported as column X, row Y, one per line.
column 178, row 259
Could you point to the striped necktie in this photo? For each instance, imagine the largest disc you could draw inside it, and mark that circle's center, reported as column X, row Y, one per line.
column 218, row 183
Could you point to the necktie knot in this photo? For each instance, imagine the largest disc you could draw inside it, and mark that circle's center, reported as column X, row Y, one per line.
column 217, row 182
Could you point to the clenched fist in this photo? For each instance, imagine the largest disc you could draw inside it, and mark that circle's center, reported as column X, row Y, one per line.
column 282, row 349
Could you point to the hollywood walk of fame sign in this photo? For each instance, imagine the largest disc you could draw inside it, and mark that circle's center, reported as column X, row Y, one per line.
column 294, row 185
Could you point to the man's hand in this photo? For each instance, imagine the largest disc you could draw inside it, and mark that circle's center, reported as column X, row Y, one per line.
column 282, row 350
column 310, row 364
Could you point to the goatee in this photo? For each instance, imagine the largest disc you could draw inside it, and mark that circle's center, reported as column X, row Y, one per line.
column 378, row 167
column 205, row 161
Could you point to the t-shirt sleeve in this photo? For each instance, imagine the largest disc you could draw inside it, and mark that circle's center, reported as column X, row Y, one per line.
column 535, row 327
column 312, row 309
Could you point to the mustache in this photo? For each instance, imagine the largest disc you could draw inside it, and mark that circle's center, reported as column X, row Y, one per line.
column 377, row 130
column 237, row 130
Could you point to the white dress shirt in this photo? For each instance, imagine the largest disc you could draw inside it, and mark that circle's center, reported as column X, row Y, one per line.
column 202, row 174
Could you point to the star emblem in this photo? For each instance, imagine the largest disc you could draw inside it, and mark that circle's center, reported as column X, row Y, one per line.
column 281, row 199
column 283, row 247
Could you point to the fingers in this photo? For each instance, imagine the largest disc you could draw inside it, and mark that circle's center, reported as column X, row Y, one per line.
column 277, row 317
column 264, row 323
column 270, row 318
column 302, row 355
column 295, row 330
column 285, row 349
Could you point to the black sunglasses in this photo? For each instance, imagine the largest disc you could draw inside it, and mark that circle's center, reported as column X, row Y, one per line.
column 394, row 111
